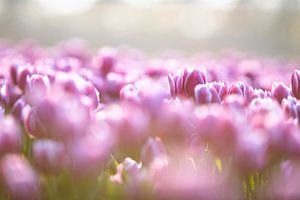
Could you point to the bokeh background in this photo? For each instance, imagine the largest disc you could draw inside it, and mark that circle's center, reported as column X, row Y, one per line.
column 267, row 27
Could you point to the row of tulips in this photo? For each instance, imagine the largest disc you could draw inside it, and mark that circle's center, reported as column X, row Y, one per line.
column 118, row 125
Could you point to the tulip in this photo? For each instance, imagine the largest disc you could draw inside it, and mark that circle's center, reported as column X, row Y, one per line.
column 206, row 94
column 295, row 83
column 53, row 119
column 240, row 88
column 89, row 153
column 10, row 136
column 153, row 149
column 19, row 179
column 193, row 78
column 106, row 60
column 49, row 156
column 185, row 82
column 251, row 152
column 37, row 88
column 221, row 89
column 280, row 91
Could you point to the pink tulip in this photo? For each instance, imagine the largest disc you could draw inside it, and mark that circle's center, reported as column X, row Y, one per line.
column 240, row 88
column 49, row 156
column 280, row 91
column 106, row 60
column 295, row 83
column 10, row 136
column 153, row 149
column 37, row 88
column 205, row 93
column 19, row 179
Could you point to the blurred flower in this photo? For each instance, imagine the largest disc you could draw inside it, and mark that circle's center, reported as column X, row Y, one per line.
column 37, row 88
column 240, row 88
column 90, row 152
column 19, row 179
column 295, row 83
column 10, row 136
column 105, row 60
column 279, row 91
column 153, row 149
column 284, row 182
column 56, row 119
column 49, row 156
column 206, row 93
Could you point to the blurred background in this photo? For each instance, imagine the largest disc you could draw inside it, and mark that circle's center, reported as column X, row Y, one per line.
column 267, row 27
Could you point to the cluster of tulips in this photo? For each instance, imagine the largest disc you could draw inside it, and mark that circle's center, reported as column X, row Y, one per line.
column 118, row 125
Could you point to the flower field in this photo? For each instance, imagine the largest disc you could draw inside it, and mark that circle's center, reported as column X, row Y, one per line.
column 117, row 124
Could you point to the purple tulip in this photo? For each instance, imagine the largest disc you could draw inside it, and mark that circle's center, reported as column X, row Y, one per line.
column 221, row 89
column 251, row 152
column 129, row 123
column 36, row 89
column 10, row 136
column 153, row 149
column 132, row 170
column 280, row 91
column 8, row 95
column 185, row 82
column 106, row 60
column 193, row 78
column 18, row 109
column 129, row 93
column 289, row 106
column 19, row 75
column 19, row 179
column 206, row 93
column 49, row 156
column 53, row 119
column 218, row 130
column 240, row 88
column 295, row 83
column 75, row 85
column 90, row 152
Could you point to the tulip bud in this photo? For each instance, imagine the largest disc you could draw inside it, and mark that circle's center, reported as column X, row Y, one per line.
column 8, row 95
column 193, row 78
column 180, row 82
column 49, row 155
column 36, row 89
column 114, row 84
column 279, row 91
column 185, row 82
column 132, row 168
column 22, row 74
column 205, row 93
column 19, row 179
column 221, row 89
column 295, row 83
column 172, row 85
column 218, row 130
column 89, row 153
column 10, row 136
column 289, row 106
column 240, row 88
column 251, row 152
column 129, row 93
column 106, row 60
column 58, row 119
column 153, row 149
column 75, row 85
column 17, row 109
